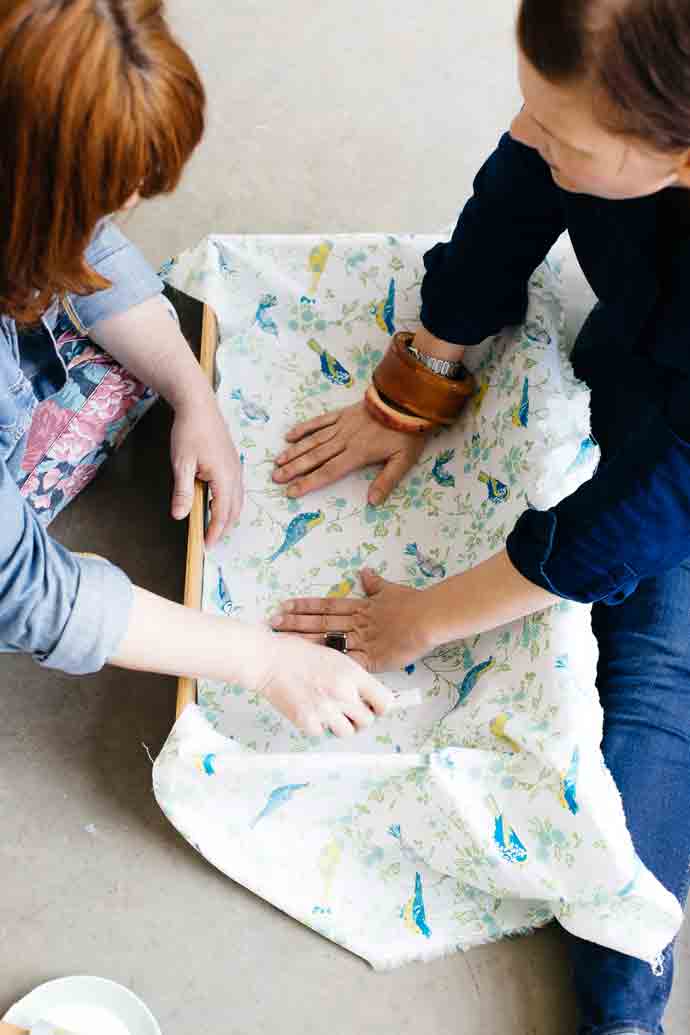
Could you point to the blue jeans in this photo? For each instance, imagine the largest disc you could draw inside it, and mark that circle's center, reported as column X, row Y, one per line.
column 644, row 684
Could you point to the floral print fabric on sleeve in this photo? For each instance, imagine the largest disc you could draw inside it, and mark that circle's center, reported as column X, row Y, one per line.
column 75, row 431
column 486, row 811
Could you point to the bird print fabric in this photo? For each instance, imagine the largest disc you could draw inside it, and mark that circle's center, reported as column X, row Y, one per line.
column 485, row 810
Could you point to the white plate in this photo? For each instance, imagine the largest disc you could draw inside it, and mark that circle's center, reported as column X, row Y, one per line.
column 85, row 1006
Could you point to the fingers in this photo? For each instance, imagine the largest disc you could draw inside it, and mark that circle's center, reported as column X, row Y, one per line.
column 334, row 720
column 321, row 605
column 332, row 471
column 183, row 492
column 376, row 695
column 226, row 505
column 309, row 460
column 384, row 483
column 319, row 438
column 359, row 714
column 371, row 582
column 220, row 513
column 308, row 427
column 318, row 623
column 311, row 726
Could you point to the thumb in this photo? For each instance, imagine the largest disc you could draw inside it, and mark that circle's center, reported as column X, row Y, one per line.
column 382, row 486
column 183, row 493
column 371, row 582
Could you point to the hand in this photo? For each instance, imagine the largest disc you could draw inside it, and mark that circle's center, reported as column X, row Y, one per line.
column 201, row 447
column 386, row 631
column 318, row 688
column 337, row 443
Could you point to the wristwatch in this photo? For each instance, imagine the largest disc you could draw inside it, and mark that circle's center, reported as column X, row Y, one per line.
column 453, row 369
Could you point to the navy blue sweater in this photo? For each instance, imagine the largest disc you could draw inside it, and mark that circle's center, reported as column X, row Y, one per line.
column 632, row 518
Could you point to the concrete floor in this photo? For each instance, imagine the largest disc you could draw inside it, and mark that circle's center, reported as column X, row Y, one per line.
column 338, row 116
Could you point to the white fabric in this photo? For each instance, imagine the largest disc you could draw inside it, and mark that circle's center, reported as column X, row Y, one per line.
column 487, row 810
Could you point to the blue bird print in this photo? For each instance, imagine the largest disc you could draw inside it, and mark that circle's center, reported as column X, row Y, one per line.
column 414, row 913
column 385, row 310
column 438, row 472
column 498, row 492
column 506, row 840
column 222, row 595
column 167, row 268
column 568, row 794
column 207, row 764
column 277, row 799
column 223, row 264
column 297, row 529
column 535, row 332
column 470, row 681
column 427, row 565
column 583, row 454
column 331, row 369
column 250, row 410
column 521, row 410
column 263, row 318
column 629, row 887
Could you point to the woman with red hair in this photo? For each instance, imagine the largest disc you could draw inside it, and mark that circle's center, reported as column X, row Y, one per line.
column 100, row 106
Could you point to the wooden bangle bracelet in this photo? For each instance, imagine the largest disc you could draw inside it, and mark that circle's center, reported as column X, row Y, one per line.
column 391, row 418
column 416, row 389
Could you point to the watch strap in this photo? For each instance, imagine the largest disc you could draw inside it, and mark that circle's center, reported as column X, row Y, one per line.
column 450, row 368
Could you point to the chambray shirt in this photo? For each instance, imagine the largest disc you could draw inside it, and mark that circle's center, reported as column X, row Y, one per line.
column 69, row 612
column 631, row 520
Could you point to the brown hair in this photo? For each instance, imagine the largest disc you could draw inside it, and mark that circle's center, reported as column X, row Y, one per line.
column 636, row 53
column 97, row 101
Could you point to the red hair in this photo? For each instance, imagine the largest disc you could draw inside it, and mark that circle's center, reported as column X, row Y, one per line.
column 98, row 101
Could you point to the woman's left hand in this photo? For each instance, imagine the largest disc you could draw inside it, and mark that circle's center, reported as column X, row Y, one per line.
column 201, row 447
column 385, row 631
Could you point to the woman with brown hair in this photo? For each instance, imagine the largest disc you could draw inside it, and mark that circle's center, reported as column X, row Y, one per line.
column 100, row 106
column 601, row 148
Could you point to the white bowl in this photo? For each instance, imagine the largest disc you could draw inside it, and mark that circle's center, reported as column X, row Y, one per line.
column 85, row 1006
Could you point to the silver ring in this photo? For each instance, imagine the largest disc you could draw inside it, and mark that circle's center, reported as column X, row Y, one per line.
column 336, row 641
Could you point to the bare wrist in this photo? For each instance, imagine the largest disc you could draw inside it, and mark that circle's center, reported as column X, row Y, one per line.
column 427, row 342
column 433, row 624
column 193, row 397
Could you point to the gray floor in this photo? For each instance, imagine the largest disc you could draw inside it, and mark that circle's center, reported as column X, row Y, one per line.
column 329, row 116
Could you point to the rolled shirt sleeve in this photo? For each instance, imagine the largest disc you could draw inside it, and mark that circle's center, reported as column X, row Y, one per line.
column 132, row 278
column 476, row 284
column 69, row 612
column 630, row 521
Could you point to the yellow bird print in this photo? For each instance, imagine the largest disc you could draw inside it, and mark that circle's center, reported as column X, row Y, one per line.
column 480, row 393
column 318, row 260
column 384, row 311
column 498, row 728
column 329, row 860
column 342, row 588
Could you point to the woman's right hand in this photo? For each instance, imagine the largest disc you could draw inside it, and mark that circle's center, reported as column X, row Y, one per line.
column 328, row 447
column 318, row 688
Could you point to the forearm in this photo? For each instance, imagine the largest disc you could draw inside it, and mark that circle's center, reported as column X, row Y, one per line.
column 492, row 594
column 170, row 639
column 148, row 343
